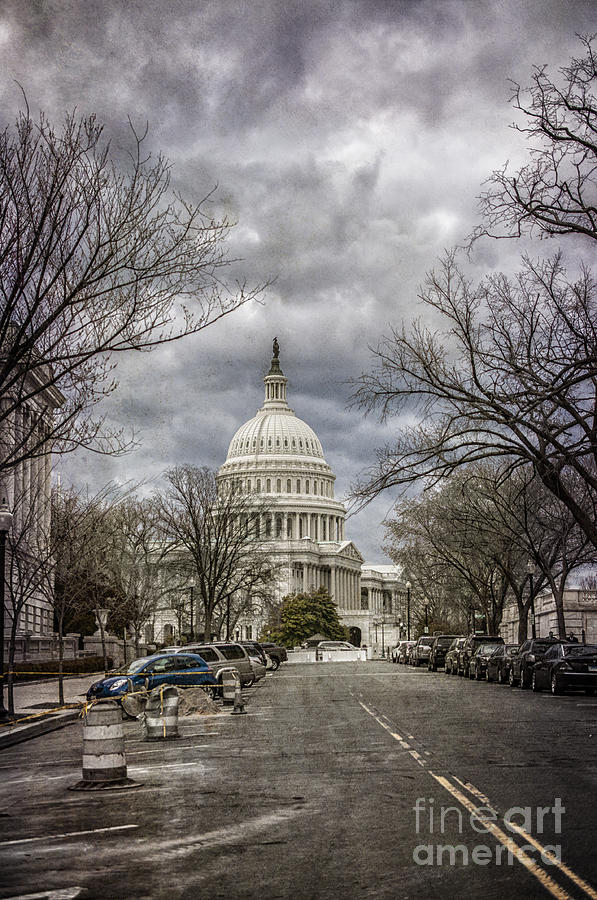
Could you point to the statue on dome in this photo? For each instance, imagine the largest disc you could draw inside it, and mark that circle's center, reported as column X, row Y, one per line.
column 276, row 348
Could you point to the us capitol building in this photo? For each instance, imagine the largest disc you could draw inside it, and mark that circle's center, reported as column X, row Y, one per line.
column 278, row 455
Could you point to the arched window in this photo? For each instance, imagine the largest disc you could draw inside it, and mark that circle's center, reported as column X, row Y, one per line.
column 288, row 486
column 259, row 485
column 286, row 443
column 298, row 485
column 314, row 487
column 289, row 527
column 307, row 486
column 268, row 486
column 278, row 443
column 278, row 526
column 278, row 485
column 248, row 485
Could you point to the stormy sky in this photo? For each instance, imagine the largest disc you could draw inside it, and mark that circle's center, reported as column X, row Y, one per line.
column 348, row 140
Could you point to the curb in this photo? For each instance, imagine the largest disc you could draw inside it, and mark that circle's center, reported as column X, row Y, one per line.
column 20, row 733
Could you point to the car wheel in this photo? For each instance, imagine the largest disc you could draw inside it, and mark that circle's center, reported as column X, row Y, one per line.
column 470, row 674
column 500, row 676
column 524, row 679
column 478, row 676
column 511, row 678
column 487, row 678
column 556, row 687
column 275, row 663
column 534, row 684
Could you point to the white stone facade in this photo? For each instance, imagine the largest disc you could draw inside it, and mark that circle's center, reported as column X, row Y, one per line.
column 277, row 455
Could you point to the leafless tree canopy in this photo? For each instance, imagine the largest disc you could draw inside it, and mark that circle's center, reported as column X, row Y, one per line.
column 223, row 535
column 512, row 374
column 95, row 260
column 555, row 193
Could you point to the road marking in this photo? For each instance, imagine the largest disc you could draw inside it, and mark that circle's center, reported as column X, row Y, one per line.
column 68, row 834
column 507, row 842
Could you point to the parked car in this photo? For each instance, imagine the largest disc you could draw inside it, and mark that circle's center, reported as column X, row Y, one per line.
column 499, row 663
column 452, row 654
column 477, row 666
column 439, row 648
column 565, row 666
column 335, row 645
column 276, row 653
column 405, row 651
column 395, row 652
column 409, row 656
column 422, row 650
column 180, row 669
column 254, row 648
column 529, row 652
column 223, row 655
column 469, row 647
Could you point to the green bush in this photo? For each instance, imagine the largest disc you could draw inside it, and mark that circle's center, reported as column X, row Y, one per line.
column 30, row 670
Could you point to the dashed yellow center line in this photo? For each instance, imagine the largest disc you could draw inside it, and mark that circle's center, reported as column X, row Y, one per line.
column 504, row 839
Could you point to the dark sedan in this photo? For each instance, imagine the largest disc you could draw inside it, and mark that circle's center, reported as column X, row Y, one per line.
column 500, row 663
column 439, row 648
column 181, row 669
column 523, row 661
column 566, row 666
column 478, row 662
column 451, row 661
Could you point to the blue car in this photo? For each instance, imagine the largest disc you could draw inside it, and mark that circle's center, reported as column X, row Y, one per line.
column 180, row 669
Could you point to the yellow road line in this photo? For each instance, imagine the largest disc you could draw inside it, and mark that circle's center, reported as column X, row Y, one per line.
column 509, row 843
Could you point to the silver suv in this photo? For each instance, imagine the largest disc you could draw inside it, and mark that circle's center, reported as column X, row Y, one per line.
column 422, row 650
column 222, row 655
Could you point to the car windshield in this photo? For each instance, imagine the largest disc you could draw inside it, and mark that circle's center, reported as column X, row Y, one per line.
column 426, row 640
column 485, row 648
column 137, row 664
column 579, row 649
column 444, row 642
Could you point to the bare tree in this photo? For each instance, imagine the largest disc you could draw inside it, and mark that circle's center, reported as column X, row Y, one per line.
column 554, row 193
column 95, row 260
column 511, row 375
column 222, row 535
column 133, row 559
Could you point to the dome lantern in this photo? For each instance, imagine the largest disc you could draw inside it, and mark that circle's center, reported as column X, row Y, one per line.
column 275, row 383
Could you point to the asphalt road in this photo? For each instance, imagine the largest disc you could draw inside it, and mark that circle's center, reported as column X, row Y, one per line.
column 341, row 782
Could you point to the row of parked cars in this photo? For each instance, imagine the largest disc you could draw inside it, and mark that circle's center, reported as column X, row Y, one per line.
column 192, row 665
column 550, row 663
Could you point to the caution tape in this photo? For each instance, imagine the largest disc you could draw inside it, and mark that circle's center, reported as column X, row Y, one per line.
column 47, row 712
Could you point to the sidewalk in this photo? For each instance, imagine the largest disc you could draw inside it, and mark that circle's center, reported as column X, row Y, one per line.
column 38, row 711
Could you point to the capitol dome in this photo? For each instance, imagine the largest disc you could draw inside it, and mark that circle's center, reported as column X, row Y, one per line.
column 276, row 453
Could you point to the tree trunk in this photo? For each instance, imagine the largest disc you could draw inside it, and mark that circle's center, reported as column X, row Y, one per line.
column 103, row 640
column 11, row 664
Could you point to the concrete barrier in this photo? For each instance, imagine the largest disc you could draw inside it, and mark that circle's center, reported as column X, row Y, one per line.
column 160, row 718
column 104, row 759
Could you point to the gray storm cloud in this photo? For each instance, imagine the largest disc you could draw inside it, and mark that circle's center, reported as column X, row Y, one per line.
column 347, row 140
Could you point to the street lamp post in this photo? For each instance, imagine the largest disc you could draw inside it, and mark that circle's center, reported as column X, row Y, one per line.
column 192, row 628
column 383, row 646
column 5, row 524
column 530, row 570
column 408, row 610
column 426, row 617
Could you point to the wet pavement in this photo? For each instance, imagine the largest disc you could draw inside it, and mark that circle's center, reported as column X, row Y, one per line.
column 341, row 782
